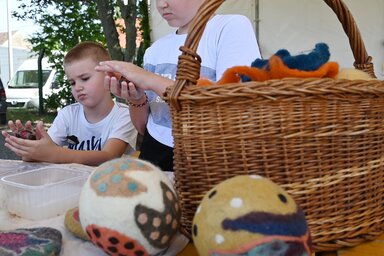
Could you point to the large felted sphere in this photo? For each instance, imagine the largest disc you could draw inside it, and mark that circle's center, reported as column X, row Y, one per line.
column 250, row 215
column 129, row 207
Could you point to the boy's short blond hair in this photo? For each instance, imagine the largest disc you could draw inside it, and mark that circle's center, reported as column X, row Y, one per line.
column 87, row 49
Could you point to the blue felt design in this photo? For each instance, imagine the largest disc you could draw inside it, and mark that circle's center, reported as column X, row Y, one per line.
column 116, row 179
column 140, row 164
column 275, row 247
column 124, row 167
column 96, row 176
column 132, row 186
column 307, row 62
column 269, row 224
column 102, row 187
column 108, row 170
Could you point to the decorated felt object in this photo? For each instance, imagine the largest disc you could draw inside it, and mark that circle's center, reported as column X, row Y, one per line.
column 26, row 134
column 72, row 224
column 306, row 62
column 281, row 65
column 30, row 242
column 279, row 70
column 250, row 215
column 129, row 207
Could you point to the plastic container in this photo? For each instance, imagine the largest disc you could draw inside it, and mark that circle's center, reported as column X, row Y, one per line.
column 9, row 167
column 43, row 193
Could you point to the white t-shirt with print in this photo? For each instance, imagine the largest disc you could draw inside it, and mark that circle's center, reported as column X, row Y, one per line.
column 71, row 123
column 228, row 40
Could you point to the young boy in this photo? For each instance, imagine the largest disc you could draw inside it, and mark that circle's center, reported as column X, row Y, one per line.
column 94, row 129
column 227, row 41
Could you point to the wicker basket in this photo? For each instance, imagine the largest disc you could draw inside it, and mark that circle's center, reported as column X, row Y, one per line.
column 320, row 139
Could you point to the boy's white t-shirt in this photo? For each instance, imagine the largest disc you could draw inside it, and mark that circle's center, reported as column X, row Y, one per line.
column 227, row 41
column 71, row 123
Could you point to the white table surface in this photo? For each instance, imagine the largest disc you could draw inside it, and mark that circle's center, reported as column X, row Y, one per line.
column 71, row 245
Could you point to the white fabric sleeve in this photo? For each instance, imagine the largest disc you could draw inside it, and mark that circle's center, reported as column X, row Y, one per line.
column 58, row 129
column 122, row 126
column 237, row 44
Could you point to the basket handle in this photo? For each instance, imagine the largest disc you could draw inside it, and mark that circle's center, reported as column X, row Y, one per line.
column 362, row 60
column 188, row 67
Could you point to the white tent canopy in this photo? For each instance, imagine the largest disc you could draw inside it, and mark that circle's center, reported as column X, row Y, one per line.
column 297, row 25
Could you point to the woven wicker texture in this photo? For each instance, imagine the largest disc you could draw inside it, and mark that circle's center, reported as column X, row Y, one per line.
column 321, row 139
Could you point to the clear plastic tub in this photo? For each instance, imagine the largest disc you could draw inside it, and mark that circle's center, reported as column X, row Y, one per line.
column 8, row 167
column 43, row 193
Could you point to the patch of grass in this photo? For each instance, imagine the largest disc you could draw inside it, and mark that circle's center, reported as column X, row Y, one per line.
column 29, row 114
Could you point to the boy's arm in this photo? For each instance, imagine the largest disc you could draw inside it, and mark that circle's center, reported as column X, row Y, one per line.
column 114, row 148
column 45, row 150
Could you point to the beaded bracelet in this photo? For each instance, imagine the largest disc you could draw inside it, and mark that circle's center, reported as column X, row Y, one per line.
column 138, row 105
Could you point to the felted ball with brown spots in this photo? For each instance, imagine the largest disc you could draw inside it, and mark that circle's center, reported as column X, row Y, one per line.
column 129, row 207
column 250, row 215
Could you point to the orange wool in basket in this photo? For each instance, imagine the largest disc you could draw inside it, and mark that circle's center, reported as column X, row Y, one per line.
column 277, row 70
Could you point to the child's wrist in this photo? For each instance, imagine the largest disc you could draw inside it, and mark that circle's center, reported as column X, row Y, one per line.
column 138, row 103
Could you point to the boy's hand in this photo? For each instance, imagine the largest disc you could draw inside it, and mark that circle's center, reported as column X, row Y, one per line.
column 43, row 149
column 20, row 131
column 26, row 134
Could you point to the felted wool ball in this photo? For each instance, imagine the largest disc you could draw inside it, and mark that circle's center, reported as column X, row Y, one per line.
column 72, row 223
column 353, row 74
column 250, row 215
column 129, row 207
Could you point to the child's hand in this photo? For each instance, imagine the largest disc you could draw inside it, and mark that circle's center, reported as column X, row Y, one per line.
column 141, row 78
column 129, row 91
column 43, row 149
column 26, row 134
column 20, row 131
column 123, row 88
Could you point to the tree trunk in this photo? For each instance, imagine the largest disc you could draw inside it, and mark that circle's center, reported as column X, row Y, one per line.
column 129, row 15
column 106, row 12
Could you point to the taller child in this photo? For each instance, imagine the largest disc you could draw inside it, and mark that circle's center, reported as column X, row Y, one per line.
column 228, row 40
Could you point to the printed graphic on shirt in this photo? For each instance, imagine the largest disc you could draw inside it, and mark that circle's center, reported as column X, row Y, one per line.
column 90, row 144
column 72, row 139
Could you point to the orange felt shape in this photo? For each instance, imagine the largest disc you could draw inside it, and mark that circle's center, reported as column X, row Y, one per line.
column 232, row 75
column 115, row 243
column 279, row 70
column 276, row 70
column 204, row 82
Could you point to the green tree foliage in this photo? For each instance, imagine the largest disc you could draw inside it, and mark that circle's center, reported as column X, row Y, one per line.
column 143, row 15
column 65, row 23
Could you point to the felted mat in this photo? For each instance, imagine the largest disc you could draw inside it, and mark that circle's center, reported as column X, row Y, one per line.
column 30, row 242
